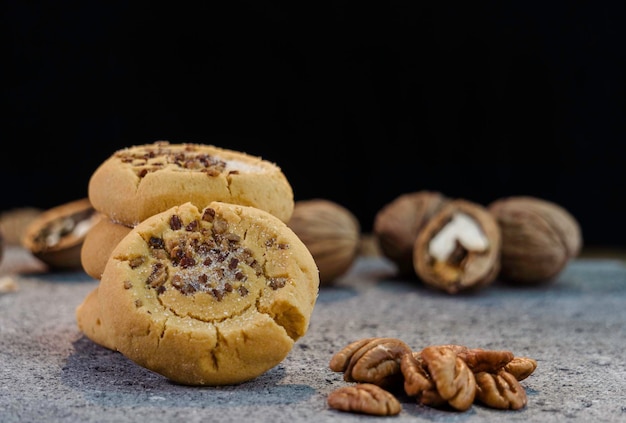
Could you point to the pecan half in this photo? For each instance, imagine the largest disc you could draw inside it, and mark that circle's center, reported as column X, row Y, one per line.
column 521, row 367
column 374, row 360
column 481, row 360
column 453, row 379
column 416, row 379
column 364, row 398
column 500, row 390
column 340, row 360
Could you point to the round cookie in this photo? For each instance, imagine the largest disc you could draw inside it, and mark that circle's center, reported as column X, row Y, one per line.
column 211, row 296
column 140, row 181
column 98, row 244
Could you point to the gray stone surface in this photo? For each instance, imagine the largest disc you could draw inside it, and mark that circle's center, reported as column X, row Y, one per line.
column 575, row 328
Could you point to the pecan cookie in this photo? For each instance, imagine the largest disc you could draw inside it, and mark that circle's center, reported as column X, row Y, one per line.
column 210, row 296
column 98, row 244
column 140, row 181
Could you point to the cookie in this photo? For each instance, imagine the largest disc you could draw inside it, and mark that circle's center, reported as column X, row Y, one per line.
column 212, row 296
column 140, row 181
column 98, row 244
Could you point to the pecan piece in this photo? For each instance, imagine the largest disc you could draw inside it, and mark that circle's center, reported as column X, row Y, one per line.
column 340, row 360
column 416, row 379
column 377, row 361
column 500, row 390
column 480, row 360
column 521, row 367
column 453, row 379
column 365, row 398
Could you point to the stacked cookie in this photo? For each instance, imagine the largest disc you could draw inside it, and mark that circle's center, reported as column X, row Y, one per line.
column 141, row 181
column 201, row 279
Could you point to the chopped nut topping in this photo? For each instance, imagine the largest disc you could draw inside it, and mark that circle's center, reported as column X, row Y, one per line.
column 150, row 159
column 204, row 257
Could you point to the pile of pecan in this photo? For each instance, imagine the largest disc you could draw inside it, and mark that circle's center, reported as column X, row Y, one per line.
column 442, row 376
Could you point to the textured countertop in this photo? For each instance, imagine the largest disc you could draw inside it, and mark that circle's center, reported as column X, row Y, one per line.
column 575, row 328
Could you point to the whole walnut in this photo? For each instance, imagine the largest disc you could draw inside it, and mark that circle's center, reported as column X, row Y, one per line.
column 539, row 238
column 398, row 223
column 332, row 234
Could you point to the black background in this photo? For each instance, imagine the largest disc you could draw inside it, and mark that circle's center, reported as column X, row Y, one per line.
column 357, row 103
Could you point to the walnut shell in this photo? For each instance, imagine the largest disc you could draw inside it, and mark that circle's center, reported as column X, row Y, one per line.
column 398, row 223
column 56, row 235
column 459, row 248
column 539, row 237
column 332, row 234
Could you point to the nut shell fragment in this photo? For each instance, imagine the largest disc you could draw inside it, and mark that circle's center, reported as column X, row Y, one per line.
column 459, row 248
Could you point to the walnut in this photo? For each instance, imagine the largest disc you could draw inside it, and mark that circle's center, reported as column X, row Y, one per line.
column 459, row 248
column 332, row 234
column 397, row 224
column 56, row 235
column 364, row 398
column 500, row 390
column 372, row 360
column 539, row 237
